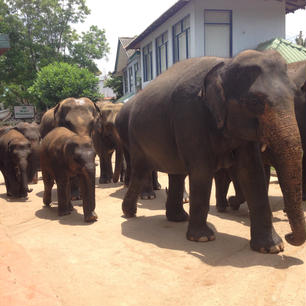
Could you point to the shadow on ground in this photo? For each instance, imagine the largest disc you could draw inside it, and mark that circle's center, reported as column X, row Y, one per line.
column 226, row 250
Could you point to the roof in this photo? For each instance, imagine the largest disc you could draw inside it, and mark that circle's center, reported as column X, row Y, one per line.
column 123, row 54
column 291, row 6
column 290, row 51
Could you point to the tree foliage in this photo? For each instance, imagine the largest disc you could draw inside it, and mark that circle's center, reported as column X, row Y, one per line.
column 58, row 81
column 41, row 32
column 116, row 84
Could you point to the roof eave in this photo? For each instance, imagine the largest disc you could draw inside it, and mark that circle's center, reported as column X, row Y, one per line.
column 135, row 44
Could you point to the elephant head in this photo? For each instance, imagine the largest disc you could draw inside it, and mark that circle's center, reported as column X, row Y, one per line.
column 80, row 156
column 251, row 98
column 77, row 115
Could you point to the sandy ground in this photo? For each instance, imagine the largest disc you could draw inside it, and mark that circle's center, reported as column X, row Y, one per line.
column 50, row 260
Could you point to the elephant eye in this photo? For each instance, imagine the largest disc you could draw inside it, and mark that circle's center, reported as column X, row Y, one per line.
column 254, row 103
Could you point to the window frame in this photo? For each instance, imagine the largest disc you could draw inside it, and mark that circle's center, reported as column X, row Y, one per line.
column 230, row 23
column 158, row 51
column 149, row 55
column 176, row 37
column 130, row 75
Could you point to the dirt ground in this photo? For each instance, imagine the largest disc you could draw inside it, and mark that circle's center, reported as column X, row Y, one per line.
column 46, row 260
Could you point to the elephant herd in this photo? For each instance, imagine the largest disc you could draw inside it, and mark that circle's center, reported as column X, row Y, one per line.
column 206, row 118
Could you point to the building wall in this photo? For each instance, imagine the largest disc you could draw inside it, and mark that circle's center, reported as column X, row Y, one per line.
column 252, row 23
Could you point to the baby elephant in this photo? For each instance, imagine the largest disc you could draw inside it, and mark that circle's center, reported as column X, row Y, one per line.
column 65, row 154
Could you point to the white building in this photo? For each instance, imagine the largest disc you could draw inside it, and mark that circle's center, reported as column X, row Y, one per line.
column 192, row 28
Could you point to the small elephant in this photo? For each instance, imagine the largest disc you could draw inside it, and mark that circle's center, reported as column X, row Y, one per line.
column 32, row 133
column 297, row 73
column 65, row 154
column 106, row 140
column 190, row 120
column 15, row 161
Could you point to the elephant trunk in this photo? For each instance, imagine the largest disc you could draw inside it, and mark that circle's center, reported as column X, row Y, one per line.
column 23, row 191
column 285, row 143
column 87, row 181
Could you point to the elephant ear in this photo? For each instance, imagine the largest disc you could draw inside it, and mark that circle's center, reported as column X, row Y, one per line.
column 213, row 94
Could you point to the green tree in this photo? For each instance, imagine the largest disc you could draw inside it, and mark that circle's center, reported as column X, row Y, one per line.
column 58, row 81
column 41, row 32
column 116, row 84
column 300, row 40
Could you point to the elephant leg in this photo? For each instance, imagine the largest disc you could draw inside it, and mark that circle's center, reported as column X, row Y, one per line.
column 129, row 204
column 48, row 184
column 106, row 171
column 147, row 192
column 63, row 195
column 128, row 167
column 118, row 165
column 74, row 188
column 200, row 188
column 222, row 182
column 267, row 169
column 252, row 181
column 156, row 184
column 174, row 204
column 304, row 177
column 239, row 198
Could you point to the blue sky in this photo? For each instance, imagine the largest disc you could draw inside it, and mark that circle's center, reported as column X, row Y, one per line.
column 123, row 18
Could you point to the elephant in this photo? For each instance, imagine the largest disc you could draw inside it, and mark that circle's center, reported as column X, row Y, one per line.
column 15, row 157
column 106, row 140
column 65, row 154
column 297, row 73
column 47, row 122
column 79, row 115
column 32, row 133
column 206, row 113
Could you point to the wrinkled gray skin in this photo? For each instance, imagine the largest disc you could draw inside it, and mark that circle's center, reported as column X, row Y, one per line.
column 203, row 114
column 297, row 73
column 15, row 153
column 64, row 154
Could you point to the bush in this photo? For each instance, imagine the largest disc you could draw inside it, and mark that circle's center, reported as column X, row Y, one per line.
column 59, row 81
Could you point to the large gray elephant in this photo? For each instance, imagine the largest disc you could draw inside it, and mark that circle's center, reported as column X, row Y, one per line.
column 205, row 113
column 15, row 156
column 297, row 73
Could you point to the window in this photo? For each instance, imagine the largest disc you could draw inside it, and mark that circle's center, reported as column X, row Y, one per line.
column 125, row 82
column 131, row 83
column 162, row 53
column 147, row 63
column 218, row 33
column 181, row 40
column 136, row 76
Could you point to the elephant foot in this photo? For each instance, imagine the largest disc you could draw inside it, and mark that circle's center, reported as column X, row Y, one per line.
column 221, row 206
column 270, row 243
column 105, row 180
column 47, row 202
column 181, row 216
column 148, row 195
column 234, row 202
column 129, row 211
column 91, row 217
column 115, row 178
column 64, row 212
column 203, row 234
